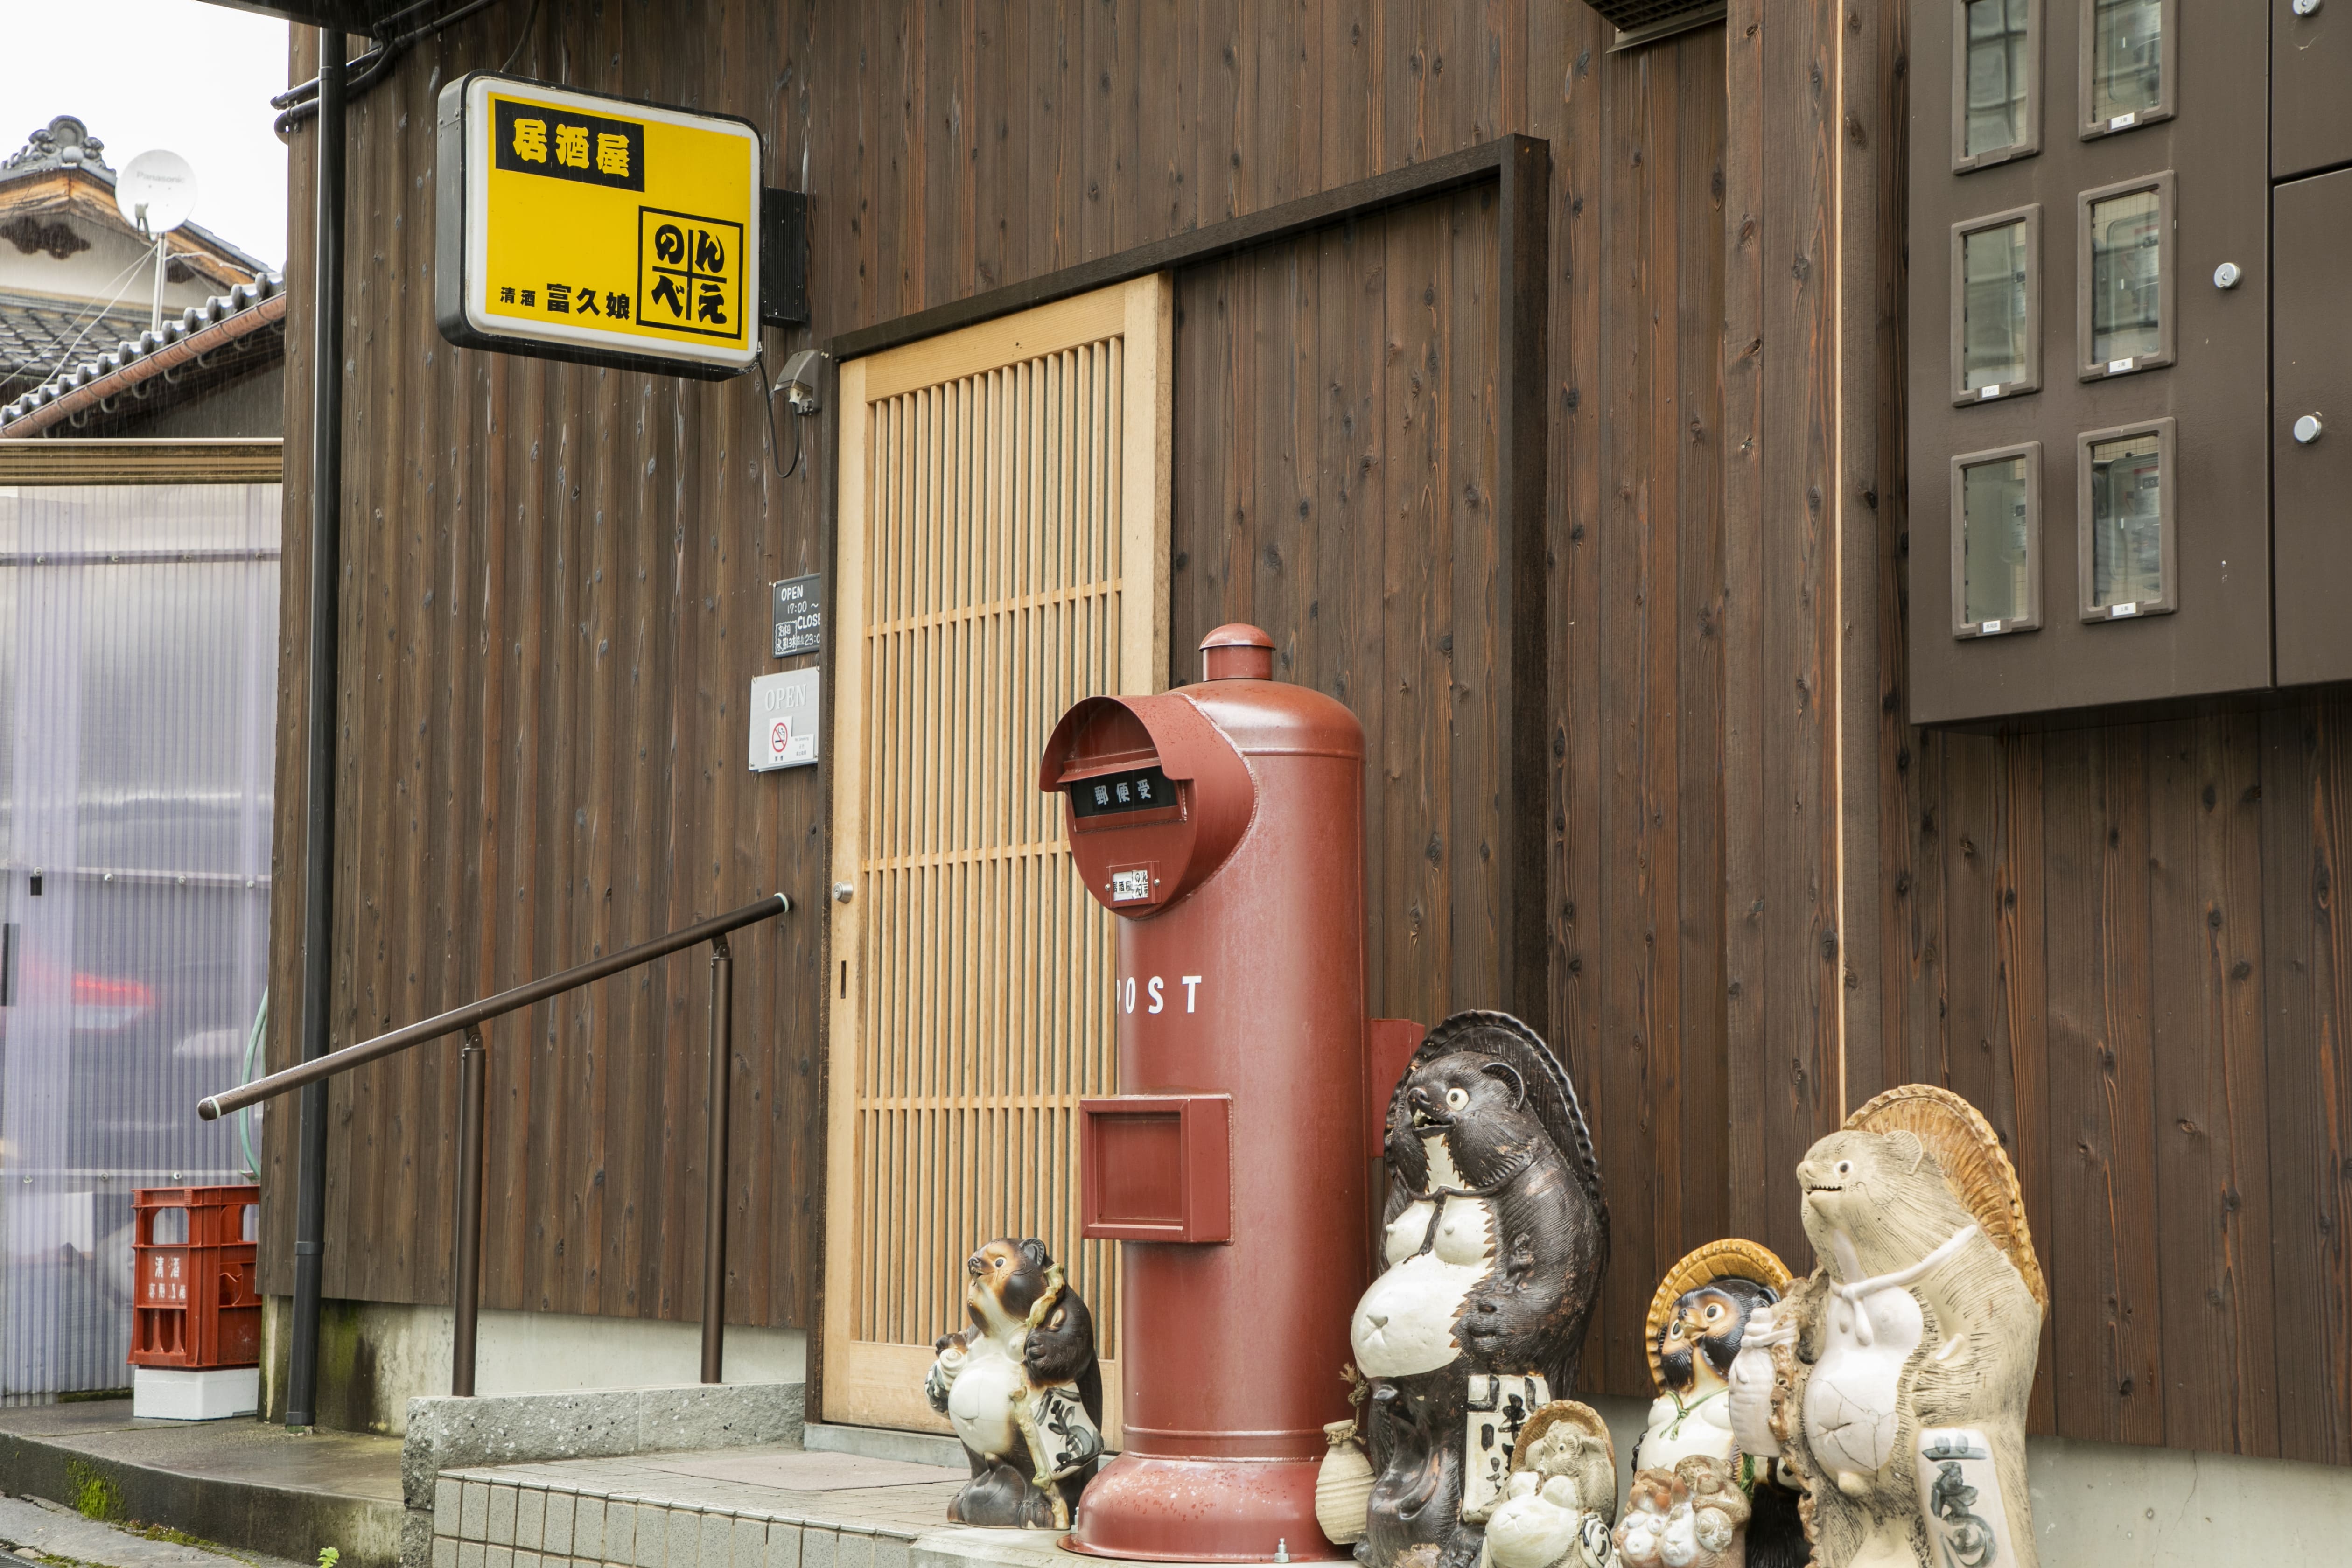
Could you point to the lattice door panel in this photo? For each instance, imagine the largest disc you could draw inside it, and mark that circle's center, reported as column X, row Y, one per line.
column 1002, row 533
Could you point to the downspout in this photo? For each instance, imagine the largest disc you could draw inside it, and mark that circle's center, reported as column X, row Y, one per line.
column 319, row 772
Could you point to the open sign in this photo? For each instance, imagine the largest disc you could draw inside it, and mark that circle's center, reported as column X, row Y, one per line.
column 783, row 721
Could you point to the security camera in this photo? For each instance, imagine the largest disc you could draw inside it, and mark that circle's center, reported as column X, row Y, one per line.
column 798, row 384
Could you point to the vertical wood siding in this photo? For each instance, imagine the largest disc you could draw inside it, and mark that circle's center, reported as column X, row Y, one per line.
column 1766, row 896
column 1336, row 461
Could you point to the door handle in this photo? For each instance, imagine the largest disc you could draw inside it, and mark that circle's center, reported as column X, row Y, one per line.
column 2307, row 429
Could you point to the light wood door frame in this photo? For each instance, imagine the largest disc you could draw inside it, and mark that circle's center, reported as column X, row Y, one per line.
column 1127, row 332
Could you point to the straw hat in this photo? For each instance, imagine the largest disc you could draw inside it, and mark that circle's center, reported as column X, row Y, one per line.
column 1975, row 1168
column 1730, row 1258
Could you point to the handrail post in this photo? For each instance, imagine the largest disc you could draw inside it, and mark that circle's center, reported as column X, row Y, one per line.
column 472, row 1064
column 714, row 1149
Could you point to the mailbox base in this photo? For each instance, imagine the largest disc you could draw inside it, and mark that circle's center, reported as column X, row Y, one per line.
column 1202, row 1511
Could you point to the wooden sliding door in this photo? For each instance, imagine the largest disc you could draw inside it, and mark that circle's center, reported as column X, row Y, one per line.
column 1001, row 551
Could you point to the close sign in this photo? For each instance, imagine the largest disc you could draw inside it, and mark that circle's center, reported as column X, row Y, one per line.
column 797, row 606
column 575, row 226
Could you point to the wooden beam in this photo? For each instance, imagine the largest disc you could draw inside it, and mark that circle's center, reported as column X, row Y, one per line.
column 142, row 462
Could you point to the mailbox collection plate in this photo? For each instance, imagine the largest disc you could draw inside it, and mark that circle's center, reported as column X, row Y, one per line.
column 1156, row 1167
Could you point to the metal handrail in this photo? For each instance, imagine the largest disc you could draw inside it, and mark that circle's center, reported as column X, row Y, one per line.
column 473, row 1094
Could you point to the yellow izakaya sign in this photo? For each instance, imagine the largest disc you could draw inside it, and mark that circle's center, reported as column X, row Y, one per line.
column 600, row 229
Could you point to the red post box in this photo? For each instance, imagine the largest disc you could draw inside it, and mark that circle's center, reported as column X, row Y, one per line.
column 1224, row 823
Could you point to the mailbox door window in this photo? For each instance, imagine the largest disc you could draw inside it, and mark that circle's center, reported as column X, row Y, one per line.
column 1996, row 350
column 2312, row 462
column 2125, row 272
column 2123, row 514
column 1996, row 67
column 2127, row 71
column 1996, row 548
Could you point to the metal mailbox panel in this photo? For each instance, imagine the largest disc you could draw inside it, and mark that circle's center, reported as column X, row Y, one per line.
column 1156, row 1167
column 2213, row 385
column 2313, row 367
column 2311, row 87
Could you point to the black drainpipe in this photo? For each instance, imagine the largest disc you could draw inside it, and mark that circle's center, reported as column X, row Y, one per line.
column 318, row 774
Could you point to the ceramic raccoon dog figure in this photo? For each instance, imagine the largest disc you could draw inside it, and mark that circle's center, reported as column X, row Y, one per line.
column 1023, row 1389
column 1496, row 1233
column 1897, row 1386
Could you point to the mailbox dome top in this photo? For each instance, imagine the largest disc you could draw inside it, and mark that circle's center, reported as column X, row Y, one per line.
column 1237, row 651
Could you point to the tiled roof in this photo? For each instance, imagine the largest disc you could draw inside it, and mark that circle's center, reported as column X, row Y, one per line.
column 35, row 331
column 64, row 150
column 127, row 362
column 64, row 143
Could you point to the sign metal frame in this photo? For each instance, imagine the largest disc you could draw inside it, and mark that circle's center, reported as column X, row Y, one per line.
column 465, row 154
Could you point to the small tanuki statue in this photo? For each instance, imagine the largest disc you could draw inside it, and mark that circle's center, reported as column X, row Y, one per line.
column 1692, row 1516
column 1689, row 1460
column 1897, row 1384
column 1561, row 1496
column 1023, row 1389
column 1496, row 1233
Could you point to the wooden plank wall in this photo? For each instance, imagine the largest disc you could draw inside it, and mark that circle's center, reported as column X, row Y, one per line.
column 2118, row 939
column 1768, row 896
column 555, row 582
column 949, row 149
column 1335, row 462
column 2123, row 946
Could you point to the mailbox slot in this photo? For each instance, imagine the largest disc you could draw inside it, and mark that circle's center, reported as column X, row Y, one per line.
column 1153, row 795
column 1156, row 1167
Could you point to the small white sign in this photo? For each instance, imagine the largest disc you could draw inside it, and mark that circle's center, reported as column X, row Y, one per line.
column 783, row 720
column 1129, row 886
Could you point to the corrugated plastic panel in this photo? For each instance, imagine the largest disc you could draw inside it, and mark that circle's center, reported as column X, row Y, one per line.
column 137, row 689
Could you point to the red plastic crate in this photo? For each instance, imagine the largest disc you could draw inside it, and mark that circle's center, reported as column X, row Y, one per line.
column 194, row 1305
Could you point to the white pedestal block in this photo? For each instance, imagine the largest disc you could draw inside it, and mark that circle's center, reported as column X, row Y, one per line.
column 169, row 1394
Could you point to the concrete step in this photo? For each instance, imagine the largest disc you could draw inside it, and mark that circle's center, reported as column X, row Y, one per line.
column 56, row 1533
column 238, row 1482
column 885, row 1443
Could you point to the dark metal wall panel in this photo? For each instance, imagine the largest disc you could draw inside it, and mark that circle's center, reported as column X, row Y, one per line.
column 2311, row 114
column 2311, row 374
column 2211, row 155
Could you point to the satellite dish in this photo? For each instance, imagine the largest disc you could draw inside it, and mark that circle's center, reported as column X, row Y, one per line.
column 156, row 191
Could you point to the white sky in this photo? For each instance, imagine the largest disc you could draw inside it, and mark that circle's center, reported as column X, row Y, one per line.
column 183, row 74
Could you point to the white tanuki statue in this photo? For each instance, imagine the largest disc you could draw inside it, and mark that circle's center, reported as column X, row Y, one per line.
column 1899, row 1373
column 1561, row 1496
column 1688, row 1517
